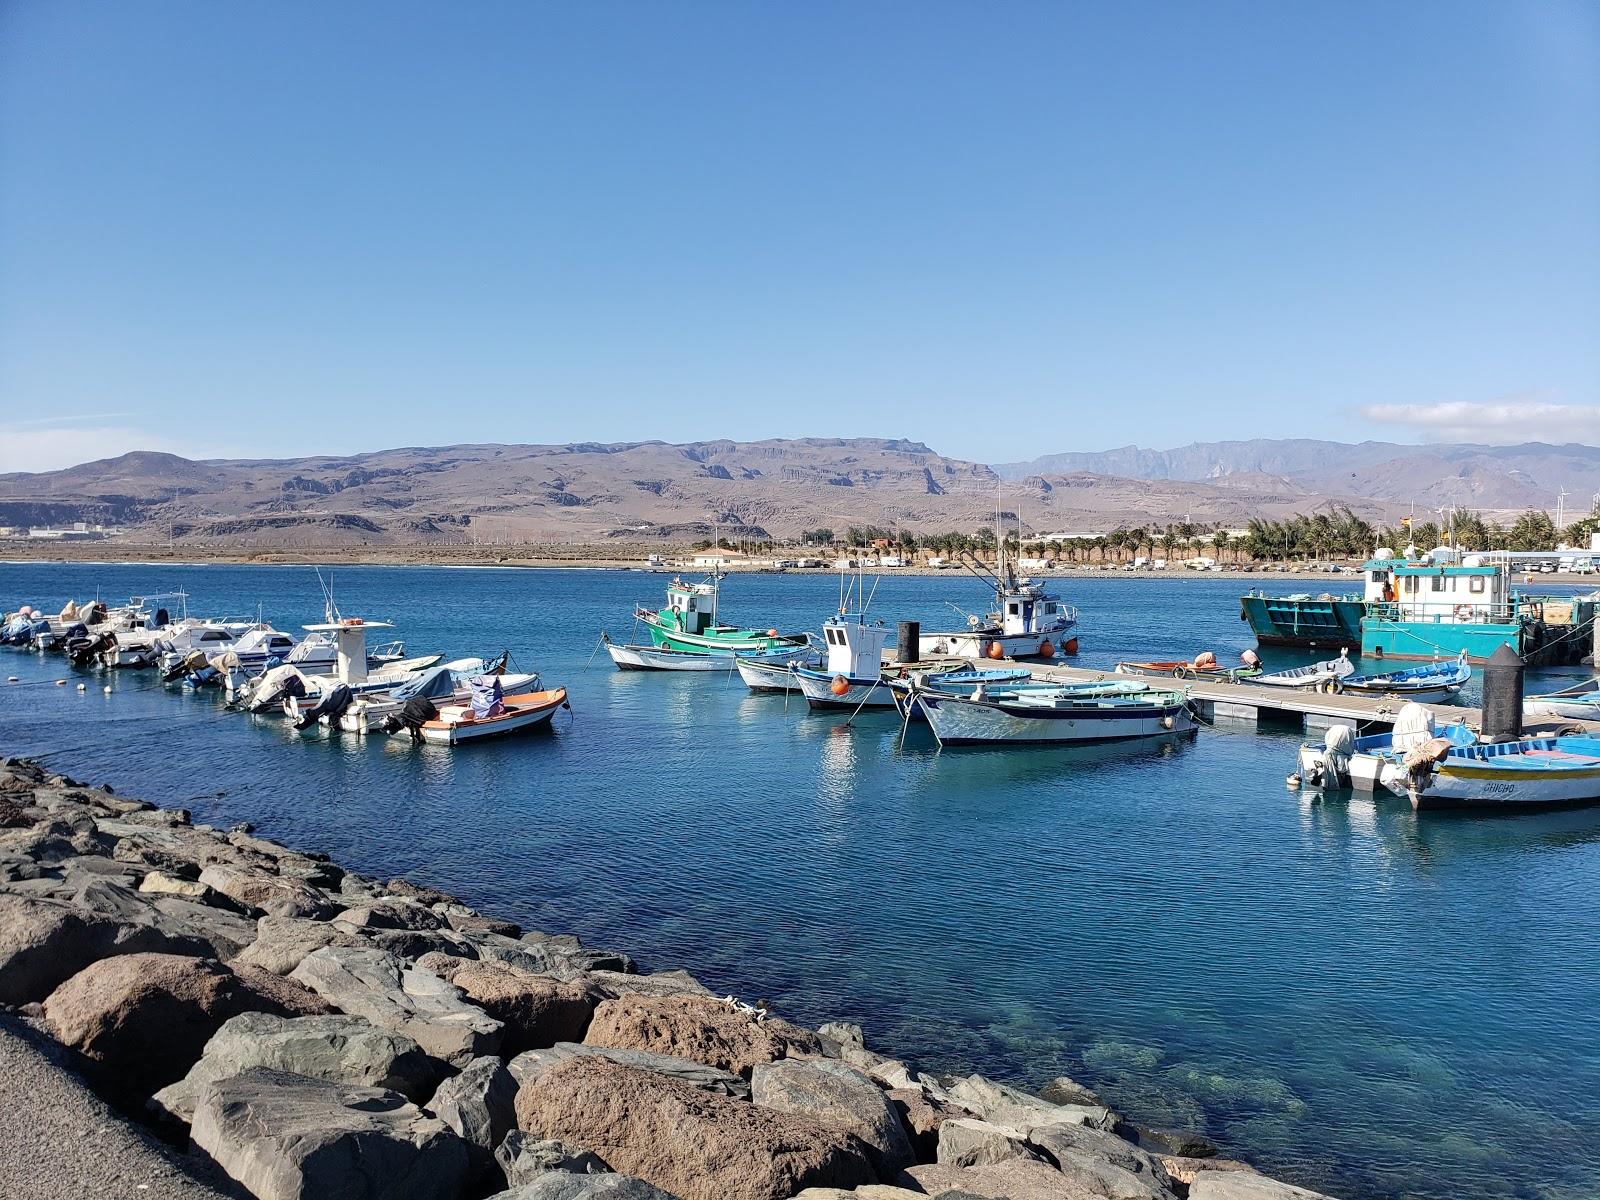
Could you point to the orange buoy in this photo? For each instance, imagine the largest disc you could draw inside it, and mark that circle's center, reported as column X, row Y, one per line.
column 1046, row 650
column 994, row 650
column 1070, row 646
column 772, row 633
column 839, row 686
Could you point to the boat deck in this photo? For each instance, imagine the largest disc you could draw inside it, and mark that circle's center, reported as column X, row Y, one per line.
column 1243, row 704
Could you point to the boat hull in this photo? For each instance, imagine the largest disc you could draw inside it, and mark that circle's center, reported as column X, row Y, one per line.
column 659, row 658
column 967, row 643
column 1484, row 788
column 818, row 688
column 523, row 714
column 766, row 677
column 958, row 722
column 1305, row 622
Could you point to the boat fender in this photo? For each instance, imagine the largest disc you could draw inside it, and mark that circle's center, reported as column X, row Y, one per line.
column 839, row 686
column 1293, row 781
column 1046, row 650
column 1071, row 646
column 994, row 650
column 1332, row 687
column 1168, row 722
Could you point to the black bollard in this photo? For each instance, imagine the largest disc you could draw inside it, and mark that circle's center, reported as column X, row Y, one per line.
column 906, row 639
column 1502, row 696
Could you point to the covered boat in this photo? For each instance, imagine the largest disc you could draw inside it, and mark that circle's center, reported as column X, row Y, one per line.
column 1203, row 666
column 1427, row 684
column 1055, row 716
column 1318, row 676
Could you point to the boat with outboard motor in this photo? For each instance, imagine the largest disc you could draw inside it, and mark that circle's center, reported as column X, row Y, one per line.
column 1319, row 676
column 489, row 713
column 1342, row 760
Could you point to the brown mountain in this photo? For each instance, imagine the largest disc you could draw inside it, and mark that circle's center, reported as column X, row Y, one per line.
column 631, row 490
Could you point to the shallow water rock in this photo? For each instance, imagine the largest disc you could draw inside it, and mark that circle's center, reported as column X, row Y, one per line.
column 44, row 942
column 1167, row 1141
column 1246, row 1185
column 392, row 994
column 527, row 1066
column 1015, row 1179
column 147, row 1017
column 689, row 1142
column 523, row 1158
column 1103, row 1164
column 268, row 893
column 479, row 1104
column 969, row 1142
column 288, row 1137
column 1000, row 1104
column 697, row 1028
column 1186, row 1170
column 839, row 1097
column 560, row 1185
column 335, row 1047
column 282, row 943
column 1064, row 1090
column 537, row 1011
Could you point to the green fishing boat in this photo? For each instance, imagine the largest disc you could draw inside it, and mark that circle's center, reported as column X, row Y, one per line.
column 689, row 622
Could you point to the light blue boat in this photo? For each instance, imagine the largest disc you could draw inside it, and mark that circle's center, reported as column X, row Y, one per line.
column 1427, row 684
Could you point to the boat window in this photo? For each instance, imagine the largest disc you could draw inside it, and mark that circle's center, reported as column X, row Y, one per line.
column 1411, row 583
column 1013, row 609
column 1477, row 583
column 1438, row 583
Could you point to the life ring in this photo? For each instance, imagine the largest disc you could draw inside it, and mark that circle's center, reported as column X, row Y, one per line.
column 1463, row 612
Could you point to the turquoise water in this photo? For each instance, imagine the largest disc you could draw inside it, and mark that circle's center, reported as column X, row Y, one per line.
column 1363, row 1000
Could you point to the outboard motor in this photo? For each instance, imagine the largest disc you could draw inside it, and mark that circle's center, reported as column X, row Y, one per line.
column 57, row 643
column 413, row 715
column 332, row 707
column 83, row 651
column 189, row 664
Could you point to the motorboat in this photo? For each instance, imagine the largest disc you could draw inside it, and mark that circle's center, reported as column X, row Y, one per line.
column 443, row 685
column 490, row 713
column 1055, row 716
column 1580, row 702
column 663, row 658
column 1203, row 666
column 1321, row 676
column 1430, row 683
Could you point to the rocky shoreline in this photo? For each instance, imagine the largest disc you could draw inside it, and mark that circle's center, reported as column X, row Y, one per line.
column 265, row 1023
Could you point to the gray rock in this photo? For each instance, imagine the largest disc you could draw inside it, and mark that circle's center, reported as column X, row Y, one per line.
column 659, row 983
column 282, row 943
column 336, row 1048
column 889, row 1072
column 522, row 1158
column 525, row 1068
column 287, row 1137
column 840, row 1097
column 843, row 1032
column 1245, row 1185
column 269, row 893
column 969, row 1142
column 227, row 931
column 1063, row 1090
column 414, row 943
column 1102, row 1164
column 480, row 1105
column 1168, row 1141
column 1000, row 1104
column 559, row 1185
column 389, row 914
column 393, row 995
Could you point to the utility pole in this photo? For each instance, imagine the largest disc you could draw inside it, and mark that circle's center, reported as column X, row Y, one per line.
column 1561, row 509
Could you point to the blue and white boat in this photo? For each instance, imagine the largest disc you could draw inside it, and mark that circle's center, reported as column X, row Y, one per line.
column 1529, row 773
column 1058, row 716
column 1342, row 760
column 1581, row 702
column 1323, row 676
column 1427, row 684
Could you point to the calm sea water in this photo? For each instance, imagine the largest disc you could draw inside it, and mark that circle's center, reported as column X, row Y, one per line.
column 1366, row 1001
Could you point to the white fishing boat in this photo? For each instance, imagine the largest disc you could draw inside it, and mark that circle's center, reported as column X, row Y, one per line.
column 1431, row 683
column 1027, row 623
column 1315, row 677
column 1342, row 760
column 663, row 658
column 766, row 676
column 1056, row 716
column 492, row 714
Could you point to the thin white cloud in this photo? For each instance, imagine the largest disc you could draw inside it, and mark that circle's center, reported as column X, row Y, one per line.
column 25, row 447
column 1497, row 423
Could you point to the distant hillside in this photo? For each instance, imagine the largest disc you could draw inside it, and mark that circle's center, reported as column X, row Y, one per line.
column 1493, row 478
column 628, row 490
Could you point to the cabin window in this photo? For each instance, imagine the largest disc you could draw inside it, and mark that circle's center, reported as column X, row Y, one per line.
column 1476, row 584
column 1438, row 583
column 1411, row 583
column 1013, row 609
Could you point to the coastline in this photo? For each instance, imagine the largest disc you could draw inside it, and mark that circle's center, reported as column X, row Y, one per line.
column 209, row 970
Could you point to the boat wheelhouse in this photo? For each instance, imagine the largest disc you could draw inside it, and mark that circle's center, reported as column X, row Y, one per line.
column 852, row 675
column 1027, row 622
column 689, row 622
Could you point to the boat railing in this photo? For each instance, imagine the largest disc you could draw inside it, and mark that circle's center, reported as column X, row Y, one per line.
column 1464, row 613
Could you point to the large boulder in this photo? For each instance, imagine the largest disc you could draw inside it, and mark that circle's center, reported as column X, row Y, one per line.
column 1000, row 1104
column 867, row 1191
column 969, row 1142
column 287, row 1137
column 147, row 1017
column 698, row 1028
column 535, row 1009
column 44, row 942
column 614, row 984
column 1065, row 1090
column 1103, row 1164
column 527, row 1066
column 479, row 1104
column 390, row 914
column 337, row 1048
column 269, row 893
column 1246, row 1185
column 691, row 1143
column 922, row 1115
column 522, row 1158
column 559, row 1185
column 839, row 1097
column 282, row 943
column 392, row 994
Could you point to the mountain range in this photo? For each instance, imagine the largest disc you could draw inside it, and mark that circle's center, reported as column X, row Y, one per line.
column 641, row 491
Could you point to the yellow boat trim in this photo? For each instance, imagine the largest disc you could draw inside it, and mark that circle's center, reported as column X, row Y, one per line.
column 1530, row 776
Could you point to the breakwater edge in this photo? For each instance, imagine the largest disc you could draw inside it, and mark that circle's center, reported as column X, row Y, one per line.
column 303, row 1030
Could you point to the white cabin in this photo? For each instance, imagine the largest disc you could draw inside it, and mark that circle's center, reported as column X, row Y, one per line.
column 351, row 635
column 855, row 649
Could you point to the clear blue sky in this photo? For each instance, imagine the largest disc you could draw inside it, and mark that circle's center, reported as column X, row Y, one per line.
column 1005, row 229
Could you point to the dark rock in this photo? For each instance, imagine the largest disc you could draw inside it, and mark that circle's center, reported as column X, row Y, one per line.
column 536, row 1010
column 1062, row 1090
column 1167, row 1141
column 523, row 1159
column 479, row 1104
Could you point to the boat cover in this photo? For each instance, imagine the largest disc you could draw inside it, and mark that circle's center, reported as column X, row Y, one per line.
column 487, row 698
column 1336, row 748
column 439, row 683
column 1413, row 726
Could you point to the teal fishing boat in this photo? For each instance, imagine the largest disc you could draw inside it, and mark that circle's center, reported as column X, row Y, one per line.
column 1305, row 621
column 689, row 622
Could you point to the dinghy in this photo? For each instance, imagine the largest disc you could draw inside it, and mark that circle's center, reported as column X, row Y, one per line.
column 662, row 658
column 1055, row 716
column 1317, row 676
column 1204, row 666
column 492, row 714
column 1427, row 684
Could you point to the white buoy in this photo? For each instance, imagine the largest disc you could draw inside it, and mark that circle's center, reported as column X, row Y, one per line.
column 83, row 687
column 12, row 679
column 108, row 689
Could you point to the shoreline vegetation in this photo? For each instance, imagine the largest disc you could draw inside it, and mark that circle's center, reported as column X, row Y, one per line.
column 267, row 1022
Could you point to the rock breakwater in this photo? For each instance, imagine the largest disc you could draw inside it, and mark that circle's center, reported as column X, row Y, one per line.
column 311, row 1032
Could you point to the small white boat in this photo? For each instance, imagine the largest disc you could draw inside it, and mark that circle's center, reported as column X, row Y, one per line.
column 491, row 714
column 662, row 658
column 1316, row 677
column 447, row 684
column 1430, row 683
column 1342, row 760
column 765, row 676
column 1580, row 702
column 1056, row 716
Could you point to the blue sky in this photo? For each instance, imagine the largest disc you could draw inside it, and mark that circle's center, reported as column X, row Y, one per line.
column 1004, row 229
